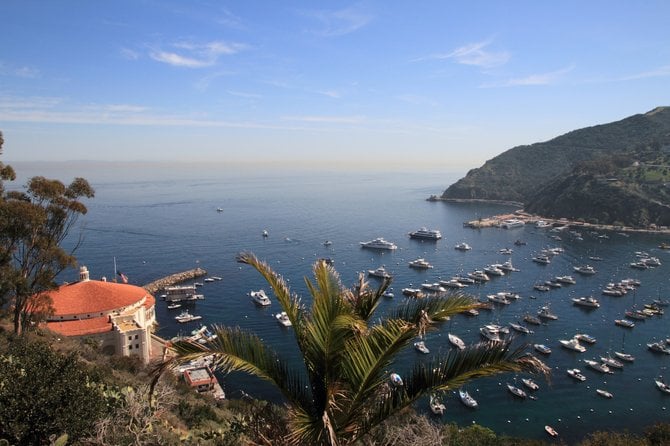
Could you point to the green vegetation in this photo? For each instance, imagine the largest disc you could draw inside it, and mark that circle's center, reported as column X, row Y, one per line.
column 617, row 172
column 344, row 391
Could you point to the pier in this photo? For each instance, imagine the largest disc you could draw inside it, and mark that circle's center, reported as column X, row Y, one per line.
column 174, row 279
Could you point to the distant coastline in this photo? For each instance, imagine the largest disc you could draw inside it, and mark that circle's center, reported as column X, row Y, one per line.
column 475, row 200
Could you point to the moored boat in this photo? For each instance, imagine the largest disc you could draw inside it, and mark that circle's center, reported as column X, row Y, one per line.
column 467, row 399
column 611, row 362
column 530, row 319
column 598, row 367
column 545, row 313
column 528, row 382
column 587, row 302
column 662, row 385
column 624, row 323
column 542, row 348
column 587, row 270
column 520, row 328
column 283, row 319
column 396, row 380
column 456, row 341
column 379, row 243
column 658, row 347
column 420, row 346
column 379, row 272
column 426, row 234
column 436, row 406
column 551, row 431
column 260, row 298
column 420, row 263
column 463, row 246
column 185, row 316
column 576, row 374
column 586, row 338
column 572, row 344
column 604, row 393
column 519, row 393
column 625, row 356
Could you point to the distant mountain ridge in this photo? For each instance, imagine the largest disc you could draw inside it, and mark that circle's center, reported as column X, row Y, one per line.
column 610, row 173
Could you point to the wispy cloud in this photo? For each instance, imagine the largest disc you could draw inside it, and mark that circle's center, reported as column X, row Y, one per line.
column 326, row 119
column 663, row 71
column 242, row 94
column 475, row 54
column 129, row 54
column 14, row 71
column 230, row 20
column 196, row 55
column 330, row 93
column 204, row 82
column 340, row 22
column 417, row 100
column 533, row 79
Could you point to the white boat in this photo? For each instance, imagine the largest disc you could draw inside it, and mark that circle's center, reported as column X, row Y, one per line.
column 173, row 306
column 379, row 243
column 219, row 209
column 420, row 263
column 662, row 385
column 493, row 270
column 465, row 280
column 573, row 344
column 545, row 313
column 388, row 293
column 624, row 356
column 463, row 247
column 512, row 223
column 598, row 367
column 585, row 269
column 490, row 333
column 586, row 338
column 436, row 406
column 528, row 382
column 611, row 362
column 542, row 348
column 434, row 287
column 506, row 251
column 208, row 279
column 541, row 287
column 566, row 279
column 420, row 346
column 508, row 267
column 520, row 328
column 479, row 276
column 530, row 319
column 260, row 298
column 396, row 380
column 612, row 291
column 651, row 261
column 604, row 393
column 379, row 272
column 624, row 323
column 516, row 391
column 265, row 233
column 498, row 298
column 542, row 259
column 551, row 431
column 217, row 278
column 327, row 243
column 542, row 224
column 185, row 316
column 412, row 292
column 466, row 399
column 576, row 374
column 427, row 234
column 283, row 319
column 588, row 302
column 658, row 347
column 453, row 283
column 456, row 341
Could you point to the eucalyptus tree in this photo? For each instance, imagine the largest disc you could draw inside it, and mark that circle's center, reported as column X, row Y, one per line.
column 343, row 388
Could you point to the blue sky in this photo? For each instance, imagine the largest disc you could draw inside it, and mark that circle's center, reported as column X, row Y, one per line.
column 437, row 83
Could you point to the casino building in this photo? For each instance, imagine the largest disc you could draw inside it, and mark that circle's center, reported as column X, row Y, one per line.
column 120, row 316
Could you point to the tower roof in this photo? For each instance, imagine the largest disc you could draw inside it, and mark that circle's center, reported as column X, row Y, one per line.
column 94, row 296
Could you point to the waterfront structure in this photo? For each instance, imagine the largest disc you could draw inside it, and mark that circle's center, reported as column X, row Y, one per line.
column 119, row 316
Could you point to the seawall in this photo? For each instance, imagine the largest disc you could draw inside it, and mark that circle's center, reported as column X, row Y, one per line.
column 174, row 279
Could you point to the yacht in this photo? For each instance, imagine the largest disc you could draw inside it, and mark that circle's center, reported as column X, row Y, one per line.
column 396, row 380
column 542, row 348
column 420, row 263
column 412, row 292
column 586, row 338
column 651, row 261
column 185, row 316
column 624, row 356
column 426, row 234
column 465, row 280
column 208, row 279
column 658, row 347
column 542, row 259
column 598, row 367
column 576, row 374
column 604, row 393
column 662, row 385
column 528, row 382
column 588, row 302
column 585, row 269
column 611, row 362
column 498, row 298
column 638, row 265
column 520, row 328
column 453, row 283
column 541, row 287
column 379, row 272
column 327, row 243
column 542, row 224
column 466, row 399
column 494, row 270
column 434, row 287
column 379, row 243
column 479, row 276
column 260, row 298
column 420, row 346
column 436, row 406
column 463, row 247
column 530, row 319
column 545, row 313
column 573, row 344
column 612, row 291
column 456, row 341
column 512, row 223
column 566, row 279
column 283, row 319
column 506, row 251
column 508, row 267
column 624, row 323
column 516, row 391
column 490, row 334
column 173, row 306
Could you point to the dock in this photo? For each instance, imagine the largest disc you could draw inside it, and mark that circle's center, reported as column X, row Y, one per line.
column 174, row 279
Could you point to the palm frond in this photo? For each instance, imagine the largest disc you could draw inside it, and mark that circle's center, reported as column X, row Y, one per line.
column 437, row 308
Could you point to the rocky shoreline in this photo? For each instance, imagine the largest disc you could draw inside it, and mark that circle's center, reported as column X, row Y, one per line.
column 174, row 279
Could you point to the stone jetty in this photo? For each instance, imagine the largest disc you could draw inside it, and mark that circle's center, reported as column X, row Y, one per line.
column 174, row 279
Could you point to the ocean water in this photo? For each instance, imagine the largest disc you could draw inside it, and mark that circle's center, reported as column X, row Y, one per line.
column 157, row 221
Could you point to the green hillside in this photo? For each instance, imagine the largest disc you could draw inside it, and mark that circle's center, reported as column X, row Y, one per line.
column 610, row 173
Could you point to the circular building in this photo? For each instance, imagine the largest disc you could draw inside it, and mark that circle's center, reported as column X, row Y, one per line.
column 120, row 316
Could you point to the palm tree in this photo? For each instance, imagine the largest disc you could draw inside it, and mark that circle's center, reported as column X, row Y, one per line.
column 344, row 389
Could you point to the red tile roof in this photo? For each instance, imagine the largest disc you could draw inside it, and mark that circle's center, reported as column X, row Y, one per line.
column 81, row 327
column 94, row 296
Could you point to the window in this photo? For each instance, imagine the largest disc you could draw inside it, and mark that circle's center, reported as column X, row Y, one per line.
column 130, row 338
column 137, row 346
column 130, row 347
column 137, row 336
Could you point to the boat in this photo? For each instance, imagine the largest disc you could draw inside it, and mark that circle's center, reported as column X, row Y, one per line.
column 512, row 223
column 198, row 284
column 219, row 209
column 576, row 374
column 420, row 346
column 490, row 333
column 587, row 302
column 283, row 319
column 604, row 393
column 208, row 279
column 173, row 306
column 625, row 356
column 260, row 298
column 465, row 280
column 565, row 279
column 508, row 267
column 585, row 269
column 412, row 292
column 388, row 293
column 530, row 319
column 179, row 293
column 519, row 393
column 541, row 287
column 456, row 341
column 596, row 258
column 379, row 243
column 528, row 382
column 479, row 276
column 463, row 246
column 379, row 272
column 573, row 344
column 586, row 338
column 265, row 233
column 506, row 251
column 396, row 380
column 624, row 323
column 520, row 328
column 471, row 312
column 434, row 287
column 185, row 316
column 613, row 291
column 498, row 298
column 658, row 347
column 466, row 399
column 542, row 348
column 542, row 224
column 636, row 314
column 493, row 270
column 420, row 263
column 545, row 313
column 426, row 234
column 638, row 265
column 551, row 431
column 542, row 259
column 662, row 385
column 436, row 406
column 327, row 243
column 664, row 246
column 611, row 362
column 452, row 283
column 598, row 367
column 651, row 261
column 519, row 242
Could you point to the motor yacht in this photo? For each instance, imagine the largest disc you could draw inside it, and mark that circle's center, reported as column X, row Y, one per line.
column 598, row 367
column 508, row 267
column 260, row 298
column 479, row 276
column 545, row 313
column 185, row 316
column 412, row 292
column 604, row 393
column 569, row 280
column 576, row 374
column 542, row 259
column 456, row 341
column 624, row 323
column 658, row 347
column 506, row 251
column 434, row 287
column 466, row 399
column 379, row 243
column 465, row 280
column 542, row 348
column 585, row 269
column 573, row 344
column 463, row 247
column 528, row 382
column 662, row 385
column 624, row 356
column 420, row 346
column 530, row 319
column 426, row 234
column 453, row 283
column 283, row 319
column 420, row 263
column 379, row 272
column 490, row 334
column 498, row 298
column 586, row 338
column 512, row 223
column 494, row 270
column 611, row 362
column 516, row 391
column 588, row 302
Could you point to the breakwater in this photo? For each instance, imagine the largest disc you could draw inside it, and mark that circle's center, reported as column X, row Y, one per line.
column 174, row 279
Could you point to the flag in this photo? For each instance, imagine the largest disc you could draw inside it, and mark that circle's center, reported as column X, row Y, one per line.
column 123, row 276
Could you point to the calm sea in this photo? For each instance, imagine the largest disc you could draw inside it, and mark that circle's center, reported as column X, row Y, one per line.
column 157, row 221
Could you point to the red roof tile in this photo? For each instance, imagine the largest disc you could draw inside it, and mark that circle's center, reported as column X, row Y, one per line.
column 81, row 327
column 94, row 296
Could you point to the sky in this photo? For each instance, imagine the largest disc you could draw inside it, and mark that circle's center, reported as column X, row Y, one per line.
column 377, row 83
